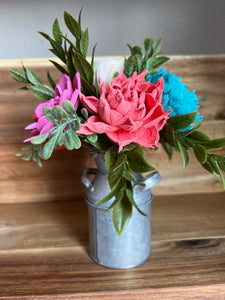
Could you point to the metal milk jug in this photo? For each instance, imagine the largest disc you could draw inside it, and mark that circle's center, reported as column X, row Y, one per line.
column 106, row 248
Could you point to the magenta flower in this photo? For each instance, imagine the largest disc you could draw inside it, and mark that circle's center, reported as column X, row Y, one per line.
column 64, row 90
column 128, row 110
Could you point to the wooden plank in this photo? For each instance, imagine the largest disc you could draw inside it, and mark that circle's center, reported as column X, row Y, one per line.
column 60, row 178
column 43, row 252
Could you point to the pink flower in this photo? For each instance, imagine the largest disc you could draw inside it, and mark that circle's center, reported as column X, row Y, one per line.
column 64, row 90
column 128, row 110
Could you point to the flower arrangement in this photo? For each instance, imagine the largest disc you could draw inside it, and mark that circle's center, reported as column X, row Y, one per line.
column 117, row 107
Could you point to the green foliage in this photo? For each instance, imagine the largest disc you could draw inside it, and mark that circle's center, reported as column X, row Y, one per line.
column 174, row 138
column 36, row 86
column 139, row 61
column 121, row 167
column 73, row 54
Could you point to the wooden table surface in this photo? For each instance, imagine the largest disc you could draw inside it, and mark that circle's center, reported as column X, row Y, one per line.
column 43, row 219
column 44, row 252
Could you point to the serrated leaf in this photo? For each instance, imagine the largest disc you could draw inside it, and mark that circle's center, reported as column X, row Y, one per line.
column 184, row 153
column 200, row 153
column 182, row 121
column 84, row 42
column 138, row 163
column 39, row 139
column 155, row 62
column 83, row 67
column 32, row 77
column 72, row 25
column 42, row 92
column 18, row 75
column 122, row 213
column 56, row 31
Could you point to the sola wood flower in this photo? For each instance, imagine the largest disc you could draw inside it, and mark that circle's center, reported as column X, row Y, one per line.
column 64, row 90
column 128, row 110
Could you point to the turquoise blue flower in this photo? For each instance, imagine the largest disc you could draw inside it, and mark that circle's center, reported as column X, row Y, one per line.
column 176, row 96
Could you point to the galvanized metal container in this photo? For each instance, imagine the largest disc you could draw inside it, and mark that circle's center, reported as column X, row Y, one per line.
column 105, row 246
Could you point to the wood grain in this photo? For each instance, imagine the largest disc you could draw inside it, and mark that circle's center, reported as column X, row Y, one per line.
column 60, row 177
column 44, row 252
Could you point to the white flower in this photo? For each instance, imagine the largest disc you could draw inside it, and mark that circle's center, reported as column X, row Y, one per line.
column 106, row 68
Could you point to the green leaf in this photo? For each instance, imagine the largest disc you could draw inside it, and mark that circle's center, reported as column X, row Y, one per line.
column 56, row 31
column 119, row 196
column 58, row 50
column 79, row 18
column 156, row 47
column 18, row 75
column 69, row 63
column 122, row 213
column 155, row 62
column 57, row 112
column 68, row 142
column 129, row 194
column 148, row 43
column 47, row 111
column 168, row 149
column 200, row 136
column 72, row 25
column 214, row 144
column 39, row 139
column 68, row 106
column 51, row 81
column 92, row 138
column 110, row 158
column 183, row 153
column 33, row 78
column 201, row 99
column 84, row 42
column 74, row 137
column 200, row 153
column 182, row 121
column 42, row 92
column 84, row 113
column 128, row 176
column 222, row 166
column 109, row 195
column 83, row 66
column 61, row 139
column 49, row 146
column 93, row 55
column 138, row 163
column 87, row 88
column 59, row 67
column 28, row 157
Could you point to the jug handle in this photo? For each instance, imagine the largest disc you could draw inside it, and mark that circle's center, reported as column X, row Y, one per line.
column 85, row 180
column 150, row 180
